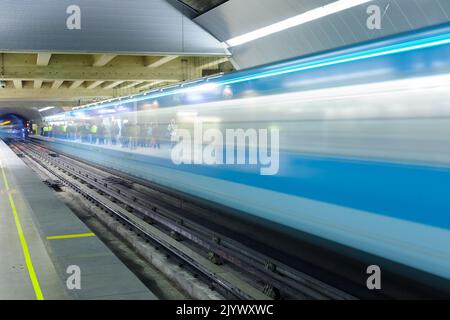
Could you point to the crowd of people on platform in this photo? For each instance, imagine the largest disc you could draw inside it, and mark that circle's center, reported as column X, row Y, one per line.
column 129, row 135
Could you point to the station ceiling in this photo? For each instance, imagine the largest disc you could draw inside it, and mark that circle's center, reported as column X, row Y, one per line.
column 39, row 79
column 121, row 47
column 236, row 17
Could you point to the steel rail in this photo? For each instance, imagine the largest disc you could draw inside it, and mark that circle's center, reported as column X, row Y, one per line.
column 272, row 272
column 91, row 196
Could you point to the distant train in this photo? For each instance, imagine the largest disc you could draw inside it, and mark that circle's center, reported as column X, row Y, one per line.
column 13, row 126
column 363, row 149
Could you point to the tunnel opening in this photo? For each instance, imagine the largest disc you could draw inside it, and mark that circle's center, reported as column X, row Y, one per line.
column 14, row 126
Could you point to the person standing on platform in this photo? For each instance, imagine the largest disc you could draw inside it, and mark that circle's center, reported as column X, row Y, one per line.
column 124, row 137
column 133, row 133
column 94, row 130
column 107, row 134
column 142, row 135
column 85, row 133
column 50, row 131
column 64, row 131
column 115, row 131
column 72, row 131
column 101, row 134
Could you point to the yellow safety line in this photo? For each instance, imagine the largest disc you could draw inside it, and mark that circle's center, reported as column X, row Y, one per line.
column 23, row 242
column 71, row 236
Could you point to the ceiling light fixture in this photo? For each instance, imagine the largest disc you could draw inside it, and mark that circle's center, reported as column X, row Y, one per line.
column 45, row 109
column 300, row 19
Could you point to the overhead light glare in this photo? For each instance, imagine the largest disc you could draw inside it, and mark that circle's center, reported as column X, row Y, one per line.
column 300, row 19
column 45, row 109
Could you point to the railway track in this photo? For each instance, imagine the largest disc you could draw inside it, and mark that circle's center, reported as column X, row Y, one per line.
column 228, row 265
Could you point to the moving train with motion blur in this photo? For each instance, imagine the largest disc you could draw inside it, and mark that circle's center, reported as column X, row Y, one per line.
column 363, row 149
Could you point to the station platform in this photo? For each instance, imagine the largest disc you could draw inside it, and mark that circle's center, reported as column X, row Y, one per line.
column 44, row 247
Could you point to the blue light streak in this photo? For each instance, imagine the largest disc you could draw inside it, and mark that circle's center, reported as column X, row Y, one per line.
column 407, row 46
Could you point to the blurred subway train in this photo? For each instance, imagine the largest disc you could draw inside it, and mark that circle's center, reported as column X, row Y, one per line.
column 360, row 137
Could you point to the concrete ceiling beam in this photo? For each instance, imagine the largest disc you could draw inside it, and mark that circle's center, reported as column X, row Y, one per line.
column 94, row 84
column 113, row 84
column 17, row 83
column 57, row 83
column 213, row 63
column 91, row 73
column 76, row 84
column 43, row 59
column 154, row 62
column 101, row 60
column 131, row 84
column 37, row 84
column 53, row 94
column 148, row 85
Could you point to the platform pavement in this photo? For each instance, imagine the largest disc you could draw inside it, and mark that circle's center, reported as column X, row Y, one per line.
column 40, row 238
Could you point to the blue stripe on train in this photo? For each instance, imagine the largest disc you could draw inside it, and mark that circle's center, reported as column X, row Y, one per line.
column 416, row 193
column 409, row 192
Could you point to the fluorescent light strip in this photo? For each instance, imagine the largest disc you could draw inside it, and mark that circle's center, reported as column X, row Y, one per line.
column 300, row 19
column 45, row 109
